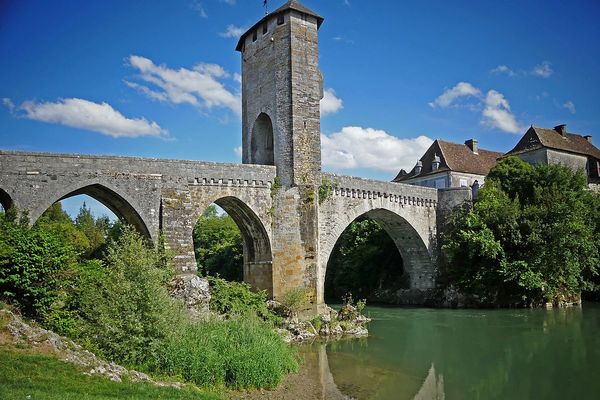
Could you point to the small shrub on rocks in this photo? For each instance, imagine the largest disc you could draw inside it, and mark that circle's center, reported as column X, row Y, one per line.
column 294, row 301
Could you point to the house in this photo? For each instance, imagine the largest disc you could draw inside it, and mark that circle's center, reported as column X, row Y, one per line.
column 447, row 164
column 557, row 146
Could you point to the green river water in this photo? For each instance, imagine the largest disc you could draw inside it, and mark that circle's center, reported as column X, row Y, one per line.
column 418, row 353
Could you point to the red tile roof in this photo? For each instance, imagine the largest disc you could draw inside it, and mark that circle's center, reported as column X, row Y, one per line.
column 454, row 157
column 536, row 138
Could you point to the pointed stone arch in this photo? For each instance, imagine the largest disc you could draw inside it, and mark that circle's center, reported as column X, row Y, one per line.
column 417, row 261
column 258, row 271
column 261, row 141
column 120, row 204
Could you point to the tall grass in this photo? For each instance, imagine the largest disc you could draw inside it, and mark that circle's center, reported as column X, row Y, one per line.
column 243, row 352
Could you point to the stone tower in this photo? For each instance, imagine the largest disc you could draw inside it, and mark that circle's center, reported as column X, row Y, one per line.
column 281, row 92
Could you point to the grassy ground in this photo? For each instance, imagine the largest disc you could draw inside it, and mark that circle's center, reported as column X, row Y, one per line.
column 26, row 376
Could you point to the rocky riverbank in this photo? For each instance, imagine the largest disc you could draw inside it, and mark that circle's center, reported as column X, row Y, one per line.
column 18, row 332
column 194, row 292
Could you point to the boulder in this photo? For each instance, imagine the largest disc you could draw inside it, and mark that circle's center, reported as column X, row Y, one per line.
column 193, row 291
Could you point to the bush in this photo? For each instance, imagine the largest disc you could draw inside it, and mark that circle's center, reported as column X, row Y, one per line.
column 125, row 310
column 31, row 262
column 294, row 301
column 237, row 299
column 238, row 353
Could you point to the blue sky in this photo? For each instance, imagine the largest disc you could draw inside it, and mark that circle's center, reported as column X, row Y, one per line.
column 160, row 78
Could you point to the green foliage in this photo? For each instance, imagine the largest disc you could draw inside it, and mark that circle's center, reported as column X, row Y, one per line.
column 124, row 307
column 34, row 376
column 316, row 323
column 310, row 196
column 275, row 186
column 360, row 305
column 364, row 261
column 294, row 301
column 218, row 246
column 325, row 190
column 89, row 236
column 238, row 353
column 237, row 299
column 530, row 238
column 31, row 264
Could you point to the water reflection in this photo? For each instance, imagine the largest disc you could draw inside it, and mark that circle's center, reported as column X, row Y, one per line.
column 457, row 354
column 359, row 381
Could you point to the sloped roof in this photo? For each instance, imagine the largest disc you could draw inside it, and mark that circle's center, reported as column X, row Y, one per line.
column 453, row 157
column 537, row 137
column 290, row 5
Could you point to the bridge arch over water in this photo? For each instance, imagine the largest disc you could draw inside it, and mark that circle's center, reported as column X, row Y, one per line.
column 416, row 261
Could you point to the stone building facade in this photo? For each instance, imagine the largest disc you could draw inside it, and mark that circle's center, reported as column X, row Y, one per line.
column 447, row 165
column 557, row 146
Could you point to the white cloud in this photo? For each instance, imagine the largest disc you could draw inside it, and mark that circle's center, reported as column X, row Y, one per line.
column 199, row 86
column 238, row 151
column 357, row 147
column 330, row 103
column 84, row 114
column 496, row 109
column 543, row 70
column 497, row 113
column 462, row 89
column 569, row 105
column 342, row 39
column 199, row 8
column 233, row 31
column 503, row 69
column 230, row 2
column 6, row 102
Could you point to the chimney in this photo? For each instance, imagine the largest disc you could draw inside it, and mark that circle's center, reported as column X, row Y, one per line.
column 472, row 144
column 588, row 138
column 562, row 129
column 418, row 167
column 435, row 164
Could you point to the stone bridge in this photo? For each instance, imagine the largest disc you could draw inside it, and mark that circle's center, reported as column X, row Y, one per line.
column 288, row 232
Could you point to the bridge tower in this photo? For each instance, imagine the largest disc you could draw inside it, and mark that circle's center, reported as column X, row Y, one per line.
column 281, row 92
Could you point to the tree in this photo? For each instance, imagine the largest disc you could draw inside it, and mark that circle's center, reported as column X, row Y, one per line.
column 95, row 230
column 218, row 245
column 31, row 263
column 364, row 260
column 123, row 304
column 530, row 238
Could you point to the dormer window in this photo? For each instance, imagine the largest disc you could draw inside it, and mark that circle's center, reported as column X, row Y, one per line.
column 280, row 19
column 265, row 29
column 254, row 36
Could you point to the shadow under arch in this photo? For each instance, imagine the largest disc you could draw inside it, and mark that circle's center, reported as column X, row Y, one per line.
column 417, row 262
column 5, row 200
column 261, row 142
column 118, row 204
column 258, row 271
